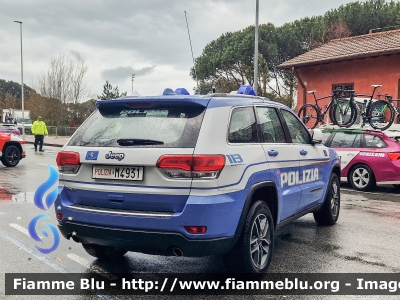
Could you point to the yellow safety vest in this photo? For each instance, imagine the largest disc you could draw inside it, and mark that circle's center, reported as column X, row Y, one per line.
column 39, row 128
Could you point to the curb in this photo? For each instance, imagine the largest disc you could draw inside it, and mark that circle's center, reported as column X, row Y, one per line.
column 46, row 144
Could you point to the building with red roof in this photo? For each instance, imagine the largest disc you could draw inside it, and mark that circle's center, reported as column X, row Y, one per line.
column 351, row 63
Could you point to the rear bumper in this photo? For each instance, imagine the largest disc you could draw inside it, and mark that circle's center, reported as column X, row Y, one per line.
column 150, row 242
column 219, row 213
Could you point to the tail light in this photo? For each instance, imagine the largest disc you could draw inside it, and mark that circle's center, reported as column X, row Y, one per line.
column 394, row 156
column 68, row 162
column 196, row 229
column 191, row 166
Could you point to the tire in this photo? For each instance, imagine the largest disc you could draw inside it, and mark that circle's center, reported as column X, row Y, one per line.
column 344, row 119
column 380, row 115
column 308, row 113
column 253, row 251
column 11, row 156
column 362, row 178
column 103, row 252
column 329, row 212
column 331, row 115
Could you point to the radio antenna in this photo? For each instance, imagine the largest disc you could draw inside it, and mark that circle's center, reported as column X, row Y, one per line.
column 191, row 49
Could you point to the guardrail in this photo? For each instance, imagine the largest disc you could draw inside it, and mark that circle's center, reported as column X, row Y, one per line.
column 56, row 130
column 27, row 129
column 61, row 130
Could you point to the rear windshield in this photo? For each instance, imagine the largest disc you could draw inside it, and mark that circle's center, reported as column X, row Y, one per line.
column 157, row 126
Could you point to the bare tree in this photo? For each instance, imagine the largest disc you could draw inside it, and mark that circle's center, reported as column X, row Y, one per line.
column 64, row 81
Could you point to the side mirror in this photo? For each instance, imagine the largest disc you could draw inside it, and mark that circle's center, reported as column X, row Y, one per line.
column 316, row 136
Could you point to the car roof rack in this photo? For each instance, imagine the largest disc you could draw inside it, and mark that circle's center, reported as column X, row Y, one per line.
column 235, row 96
column 336, row 127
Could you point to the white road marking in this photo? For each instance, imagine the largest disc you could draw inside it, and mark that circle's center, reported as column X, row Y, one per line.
column 79, row 260
column 20, row 229
column 94, row 268
column 48, row 261
column 74, row 257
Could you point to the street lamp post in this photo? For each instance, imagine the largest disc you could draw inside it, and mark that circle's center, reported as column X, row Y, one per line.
column 133, row 78
column 22, row 83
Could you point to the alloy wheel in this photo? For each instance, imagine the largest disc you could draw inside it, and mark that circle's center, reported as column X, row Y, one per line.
column 260, row 241
column 361, row 178
column 11, row 156
column 335, row 199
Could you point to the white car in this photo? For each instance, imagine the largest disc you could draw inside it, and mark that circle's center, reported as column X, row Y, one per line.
column 193, row 176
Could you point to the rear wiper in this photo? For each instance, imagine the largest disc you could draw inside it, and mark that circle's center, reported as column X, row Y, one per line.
column 131, row 142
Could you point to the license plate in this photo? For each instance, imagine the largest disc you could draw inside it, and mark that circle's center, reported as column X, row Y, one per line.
column 118, row 172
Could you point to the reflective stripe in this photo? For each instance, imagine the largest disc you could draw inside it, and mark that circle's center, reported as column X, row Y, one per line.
column 121, row 212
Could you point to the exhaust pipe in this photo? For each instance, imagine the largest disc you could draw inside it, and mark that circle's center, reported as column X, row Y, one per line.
column 177, row 251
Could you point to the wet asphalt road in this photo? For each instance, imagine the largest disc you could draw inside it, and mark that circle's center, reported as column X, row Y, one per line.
column 365, row 239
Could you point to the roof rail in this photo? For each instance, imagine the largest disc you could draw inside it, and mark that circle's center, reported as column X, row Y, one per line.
column 235, row 96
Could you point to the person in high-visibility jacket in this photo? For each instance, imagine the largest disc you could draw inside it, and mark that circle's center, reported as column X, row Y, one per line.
column 39, row 130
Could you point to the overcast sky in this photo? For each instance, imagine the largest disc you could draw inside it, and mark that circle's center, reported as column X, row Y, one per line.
column 148, row 38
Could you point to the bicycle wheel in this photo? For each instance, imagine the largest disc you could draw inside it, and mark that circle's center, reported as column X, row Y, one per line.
column 344, row 113
column 308, row 113
column 380, row 115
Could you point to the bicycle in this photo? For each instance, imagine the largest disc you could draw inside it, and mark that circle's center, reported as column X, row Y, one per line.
column 312, row 114
column 373, row 112
column 386, row 111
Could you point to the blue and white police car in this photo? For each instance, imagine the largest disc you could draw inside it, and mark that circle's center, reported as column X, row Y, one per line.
column 193, row 175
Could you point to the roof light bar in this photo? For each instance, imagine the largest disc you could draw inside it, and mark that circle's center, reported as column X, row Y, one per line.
column 246, row 90
column 181, row 91
column 168, row 92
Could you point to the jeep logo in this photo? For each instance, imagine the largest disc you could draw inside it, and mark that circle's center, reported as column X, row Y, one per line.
column 111, row 155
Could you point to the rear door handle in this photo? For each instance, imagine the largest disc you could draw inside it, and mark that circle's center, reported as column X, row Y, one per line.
column 272, row 153
column 303, row 152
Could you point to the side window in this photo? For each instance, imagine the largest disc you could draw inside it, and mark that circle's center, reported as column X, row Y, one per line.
column 373, row 141
column 346, row 140
column 270, row 124
column 357, row 141
column 298, row 133
column 242, row 128
column 325, row 136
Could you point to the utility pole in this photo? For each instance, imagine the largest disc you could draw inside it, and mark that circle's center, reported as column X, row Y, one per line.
column 255, row 86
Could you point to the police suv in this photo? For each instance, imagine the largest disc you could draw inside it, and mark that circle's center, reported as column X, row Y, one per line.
column 193, row 176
